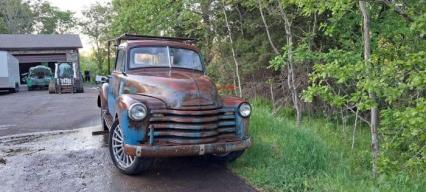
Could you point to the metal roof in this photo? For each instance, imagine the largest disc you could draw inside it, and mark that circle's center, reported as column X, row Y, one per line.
column 39, row 42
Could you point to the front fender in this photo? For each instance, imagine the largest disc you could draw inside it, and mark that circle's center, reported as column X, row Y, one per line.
column 242, row 122
column 103, row 96
column 135, row 132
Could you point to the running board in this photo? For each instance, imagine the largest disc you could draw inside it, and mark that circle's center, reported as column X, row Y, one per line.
column 100, row 132
column 108, row 122
column 108, row 119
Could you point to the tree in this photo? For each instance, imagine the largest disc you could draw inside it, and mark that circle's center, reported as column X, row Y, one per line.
column 373, row 111
column 96, row 25
column 386, row 83
column 51, row 20
column 15, row 17
column 234, row 56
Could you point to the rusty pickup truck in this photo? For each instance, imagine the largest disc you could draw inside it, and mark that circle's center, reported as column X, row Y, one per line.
column 158, row 102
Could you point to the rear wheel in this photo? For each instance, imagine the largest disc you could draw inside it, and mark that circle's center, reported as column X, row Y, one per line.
column 130, row 165
column 17, row 88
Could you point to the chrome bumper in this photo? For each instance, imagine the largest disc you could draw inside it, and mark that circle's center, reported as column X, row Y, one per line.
column 186, row 150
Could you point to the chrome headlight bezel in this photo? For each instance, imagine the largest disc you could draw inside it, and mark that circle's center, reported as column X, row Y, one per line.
column 244, row 109
column 138, row 107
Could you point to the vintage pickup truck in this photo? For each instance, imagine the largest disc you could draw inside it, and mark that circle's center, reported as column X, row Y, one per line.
column 158, row 102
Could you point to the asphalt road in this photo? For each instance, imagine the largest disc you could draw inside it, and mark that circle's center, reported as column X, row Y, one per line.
column 35, row 111
column 74, row 160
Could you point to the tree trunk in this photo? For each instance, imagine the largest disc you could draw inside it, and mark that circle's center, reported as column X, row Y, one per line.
column 237, row 70
column 205, row 14
column 373, row 110
column 354, row 130
column 290, row 67
column 267, row 29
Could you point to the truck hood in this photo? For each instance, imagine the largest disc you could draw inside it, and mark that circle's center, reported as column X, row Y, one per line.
column 177, row 88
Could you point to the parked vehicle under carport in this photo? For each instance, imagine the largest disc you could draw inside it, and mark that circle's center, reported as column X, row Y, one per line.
column 38, row 77
column 67, row 79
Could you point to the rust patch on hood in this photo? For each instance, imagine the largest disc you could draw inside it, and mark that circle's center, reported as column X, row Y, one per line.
column 178, row 88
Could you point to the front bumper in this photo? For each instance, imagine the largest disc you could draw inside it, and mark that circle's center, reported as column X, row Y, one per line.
column 186, row 150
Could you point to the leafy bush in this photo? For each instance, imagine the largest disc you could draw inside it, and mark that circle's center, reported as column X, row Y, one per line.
column 315, row 157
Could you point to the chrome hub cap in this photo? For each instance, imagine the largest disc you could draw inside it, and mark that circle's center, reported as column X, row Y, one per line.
column 120, row 157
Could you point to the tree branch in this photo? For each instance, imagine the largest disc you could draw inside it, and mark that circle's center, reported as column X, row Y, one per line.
column 399, row 11
column 360, row 117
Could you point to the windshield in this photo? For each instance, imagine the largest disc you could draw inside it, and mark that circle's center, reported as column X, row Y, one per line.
column 40, row 72
column 164, row 57
column 65, row 70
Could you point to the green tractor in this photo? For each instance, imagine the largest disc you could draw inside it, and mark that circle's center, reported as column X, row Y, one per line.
column 39, row 77
column 67, row 79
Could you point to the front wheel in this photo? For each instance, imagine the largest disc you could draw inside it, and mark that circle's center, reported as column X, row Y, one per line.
column 129, row 165
column 227, row 157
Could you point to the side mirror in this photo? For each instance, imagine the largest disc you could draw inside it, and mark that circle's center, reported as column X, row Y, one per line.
column 105, row 79
column 102, row 79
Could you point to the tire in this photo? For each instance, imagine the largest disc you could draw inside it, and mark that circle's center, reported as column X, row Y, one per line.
column 80, row 90
column 30, row 88
column 125, row 164
column 228, row 157
column 17, row 88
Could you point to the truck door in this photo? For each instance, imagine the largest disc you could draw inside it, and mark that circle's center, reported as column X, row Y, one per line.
column 116, row 80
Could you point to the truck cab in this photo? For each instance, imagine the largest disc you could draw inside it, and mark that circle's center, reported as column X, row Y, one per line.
column 158, row 102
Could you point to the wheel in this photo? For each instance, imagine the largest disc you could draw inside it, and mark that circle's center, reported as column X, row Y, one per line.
column 17, row 88
column 227, row 157
column 52, row 87
column 80, row 90
column 129, row 165
column 30, row 88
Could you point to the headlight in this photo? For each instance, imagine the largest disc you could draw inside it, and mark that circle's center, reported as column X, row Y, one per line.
column 244, row 110
column 137, row 111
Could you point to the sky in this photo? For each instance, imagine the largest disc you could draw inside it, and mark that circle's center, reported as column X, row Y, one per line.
column 77, row 6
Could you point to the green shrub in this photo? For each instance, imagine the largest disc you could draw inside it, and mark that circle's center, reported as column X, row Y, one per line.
column 315, row 157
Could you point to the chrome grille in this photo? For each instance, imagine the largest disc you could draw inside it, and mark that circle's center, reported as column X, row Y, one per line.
column 172, row 127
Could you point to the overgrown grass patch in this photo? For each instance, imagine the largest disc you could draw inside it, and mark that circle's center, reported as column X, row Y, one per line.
column 315, row 157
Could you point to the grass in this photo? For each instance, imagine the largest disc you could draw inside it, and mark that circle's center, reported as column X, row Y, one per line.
column 315, row 157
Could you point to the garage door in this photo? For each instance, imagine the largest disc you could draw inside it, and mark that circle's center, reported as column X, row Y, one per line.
column 41, row 58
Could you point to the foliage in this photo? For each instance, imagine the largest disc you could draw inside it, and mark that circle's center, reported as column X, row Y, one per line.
column 88, row 63
column 15, row 17
column 51, row 20
column 96, row 24
column 315, row 157
column 395, row 74
column 22, row 17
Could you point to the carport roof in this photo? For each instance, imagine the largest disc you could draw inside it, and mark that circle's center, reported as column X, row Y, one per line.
column 39, row 42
